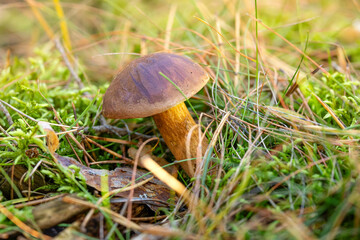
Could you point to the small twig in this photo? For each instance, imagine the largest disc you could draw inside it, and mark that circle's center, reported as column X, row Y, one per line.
column 67, row 63
column 38, row 201
column 75, row 115
column 4, row 131
column 89, row 147
column 68, row 140
column 7, row 114
column 18, row 111
column 102, row 120
column 74, row 139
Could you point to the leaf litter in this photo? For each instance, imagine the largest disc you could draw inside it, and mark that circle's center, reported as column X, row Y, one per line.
column 154, row 193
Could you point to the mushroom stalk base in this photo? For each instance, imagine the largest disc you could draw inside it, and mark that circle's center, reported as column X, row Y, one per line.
column 174, row 125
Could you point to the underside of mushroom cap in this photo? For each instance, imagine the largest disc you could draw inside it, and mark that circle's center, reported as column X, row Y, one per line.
column 139, row 90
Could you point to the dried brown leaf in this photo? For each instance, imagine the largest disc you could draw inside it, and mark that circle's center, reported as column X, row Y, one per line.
column 52, row 140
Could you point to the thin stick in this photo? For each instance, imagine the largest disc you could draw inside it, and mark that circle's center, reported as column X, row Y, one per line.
column 67, row 63
column 7, row 114
column 77, row 156
column 90, row 147
column 38, row 201
column 18, row 111
column 4, row 131
column 85, row 157
column 77, row 143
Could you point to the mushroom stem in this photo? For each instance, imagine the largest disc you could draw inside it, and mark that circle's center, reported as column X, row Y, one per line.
column 174, row 125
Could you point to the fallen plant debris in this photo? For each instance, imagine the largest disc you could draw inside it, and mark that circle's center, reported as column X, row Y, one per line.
column 280, row 112
column 52, row 140
column 50, row 214
column 153, row 192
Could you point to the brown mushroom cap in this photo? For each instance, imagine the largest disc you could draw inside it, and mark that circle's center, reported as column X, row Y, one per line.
column 140, row 91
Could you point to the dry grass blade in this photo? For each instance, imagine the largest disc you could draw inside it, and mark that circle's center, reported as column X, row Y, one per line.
column 210, row 148
column 166, row 177
column 291, row 44
column 106, row 149
column 289, row 115
column 247, row 57
column 164, row 231
column 331, row 112
column 59, row 133
column 294, row 86
column 169, row 26
column 237, row 45
column 111, row 162
column 295, row 226
column 34, row 7
column 63, row 26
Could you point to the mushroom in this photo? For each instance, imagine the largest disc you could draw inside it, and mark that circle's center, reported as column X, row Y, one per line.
column 141, row 89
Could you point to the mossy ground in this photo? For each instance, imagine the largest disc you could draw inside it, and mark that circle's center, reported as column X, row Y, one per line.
column 286, row 159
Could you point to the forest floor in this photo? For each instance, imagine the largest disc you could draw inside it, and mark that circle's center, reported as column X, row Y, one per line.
column 280, row 117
